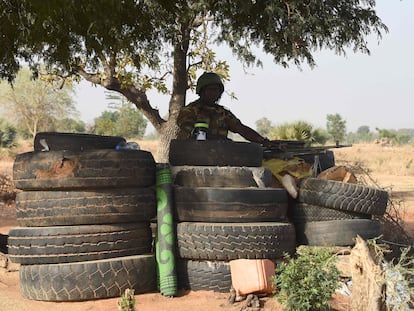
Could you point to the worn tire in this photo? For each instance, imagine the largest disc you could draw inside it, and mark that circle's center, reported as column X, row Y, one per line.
column 219, row 176
column 88, row 169
column 343, row 196
column 336, row 232
column 88, row 207
column 88, row 280
column 75, row 141
column 227, row 241
column 51, row 245
column 302, row 212
column 215, row 153
column 230, row 204
column 204, row 275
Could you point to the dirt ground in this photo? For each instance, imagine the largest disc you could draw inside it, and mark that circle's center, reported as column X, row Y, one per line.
column 11, row 300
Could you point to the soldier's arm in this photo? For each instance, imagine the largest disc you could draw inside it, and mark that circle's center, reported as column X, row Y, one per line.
column 248, row 133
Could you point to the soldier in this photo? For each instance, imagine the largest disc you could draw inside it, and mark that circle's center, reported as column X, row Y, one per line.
column 207, row 110
column 220, row 121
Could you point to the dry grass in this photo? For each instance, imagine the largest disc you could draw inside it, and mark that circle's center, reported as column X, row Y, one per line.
column 397, row 161
column 148, row 145
column 392, row 169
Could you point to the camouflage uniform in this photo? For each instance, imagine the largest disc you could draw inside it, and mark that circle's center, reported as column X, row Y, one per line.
column 219, row 120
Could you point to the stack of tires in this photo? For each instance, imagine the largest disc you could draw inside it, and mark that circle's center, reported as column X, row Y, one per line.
column 225, row 210
column 84, row 223
column 333, row 213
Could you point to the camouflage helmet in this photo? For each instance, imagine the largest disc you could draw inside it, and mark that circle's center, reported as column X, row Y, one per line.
column 209, row 78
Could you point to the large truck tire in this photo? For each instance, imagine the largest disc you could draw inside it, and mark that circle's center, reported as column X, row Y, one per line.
column 65, row 169
column 302, row 212
column 336, row 232
column 62, row 244
column 74, row 141
column 230, row 204
column 204, row 275
column 228, row 241
column 221, row 176
column 85, row 207
column 89, row 280
column 343, row 196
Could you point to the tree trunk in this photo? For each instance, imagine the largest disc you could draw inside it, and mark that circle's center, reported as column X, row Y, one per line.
column 367, row 278
column 167, row 132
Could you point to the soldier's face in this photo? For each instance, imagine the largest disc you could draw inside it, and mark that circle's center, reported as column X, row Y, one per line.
column 210, row 94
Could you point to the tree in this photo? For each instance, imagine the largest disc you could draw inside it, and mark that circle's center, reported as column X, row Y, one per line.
column 336, row 127
column 125, row 121
column 129, row 122
column 7, row 134
column 364, row 133
column 70, row 125
column 132, row 46
column 264, row 126
column 105, row 123
column 298, row 130
column 36, row 105
column 363, row 130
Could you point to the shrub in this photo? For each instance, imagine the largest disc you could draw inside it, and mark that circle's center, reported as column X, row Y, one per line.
column 308, row 281
column 127, row 301
column 7, row 135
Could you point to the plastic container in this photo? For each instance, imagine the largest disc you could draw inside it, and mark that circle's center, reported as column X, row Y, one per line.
column 200, row 131
column 252, row 275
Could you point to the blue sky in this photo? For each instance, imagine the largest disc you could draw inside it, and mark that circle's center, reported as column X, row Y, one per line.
column 376, row 90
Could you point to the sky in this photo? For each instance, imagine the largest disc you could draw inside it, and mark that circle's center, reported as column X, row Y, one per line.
column 374, row 90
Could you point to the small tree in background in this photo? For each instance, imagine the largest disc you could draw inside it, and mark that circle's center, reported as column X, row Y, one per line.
column 36, row 105
column 298, row 130
column 384, row 133
column 364, row 133
column 264, row 126
column 336, row 127
column 8, row 134
column 70, row 125
column 125, row 120
column 105, row 123
column 130, row 122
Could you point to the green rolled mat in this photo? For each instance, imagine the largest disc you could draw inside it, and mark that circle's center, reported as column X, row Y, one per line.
column 165, row 234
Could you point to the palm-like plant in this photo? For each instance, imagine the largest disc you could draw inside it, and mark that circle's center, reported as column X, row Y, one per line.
column 298, row 130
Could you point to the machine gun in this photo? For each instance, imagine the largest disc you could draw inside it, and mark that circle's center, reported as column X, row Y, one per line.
column 320, row 157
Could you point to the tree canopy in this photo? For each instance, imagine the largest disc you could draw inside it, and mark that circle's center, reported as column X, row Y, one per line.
column 123, row 121
column 38, row 105
column 336, row 127
column 131, row 46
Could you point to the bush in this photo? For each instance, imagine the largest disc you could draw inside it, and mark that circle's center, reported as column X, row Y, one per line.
column 7, row 135
column 308, row 281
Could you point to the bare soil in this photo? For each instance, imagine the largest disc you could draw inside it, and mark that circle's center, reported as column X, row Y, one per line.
column 401, row 187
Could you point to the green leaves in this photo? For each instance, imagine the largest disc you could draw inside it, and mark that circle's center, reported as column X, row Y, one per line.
column 8, row 134
column 336, row 127
column 308, row 281
column 132, row 46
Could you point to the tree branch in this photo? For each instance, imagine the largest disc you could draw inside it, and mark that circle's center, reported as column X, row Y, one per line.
column 133, row 94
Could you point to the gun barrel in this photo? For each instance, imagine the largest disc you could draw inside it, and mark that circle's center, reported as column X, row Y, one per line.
column 281, row 150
